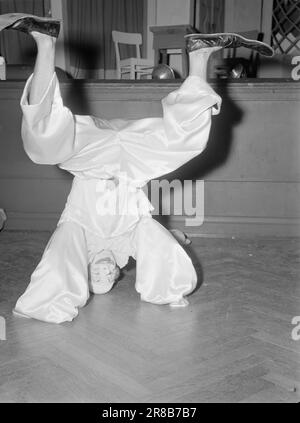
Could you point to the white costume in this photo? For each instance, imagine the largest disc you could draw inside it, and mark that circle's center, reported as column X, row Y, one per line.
column 112, row 161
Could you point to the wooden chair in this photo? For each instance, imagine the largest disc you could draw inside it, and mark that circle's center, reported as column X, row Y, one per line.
column 134, row 66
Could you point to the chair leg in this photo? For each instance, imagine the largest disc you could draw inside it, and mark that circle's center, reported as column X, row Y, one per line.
column 119, row 75
column 132, row 72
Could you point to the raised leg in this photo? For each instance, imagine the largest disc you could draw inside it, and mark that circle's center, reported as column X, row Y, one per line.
column 44, row 66
column 199, row 60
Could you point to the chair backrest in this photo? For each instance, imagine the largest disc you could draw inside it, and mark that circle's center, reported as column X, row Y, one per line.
column 126, row 38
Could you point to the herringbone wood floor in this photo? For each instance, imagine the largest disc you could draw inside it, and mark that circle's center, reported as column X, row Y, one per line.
column 232, row 344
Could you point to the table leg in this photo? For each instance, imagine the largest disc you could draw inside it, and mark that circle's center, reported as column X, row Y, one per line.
column 156, row 57
column 164, row 56
column 185, row 63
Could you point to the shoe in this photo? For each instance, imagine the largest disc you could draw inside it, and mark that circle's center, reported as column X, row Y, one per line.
column 104, row 272
column 182, row 302
column 226, row 40
column 28, row 23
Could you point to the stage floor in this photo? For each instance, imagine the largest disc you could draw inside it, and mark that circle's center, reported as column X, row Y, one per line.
column 232, row 344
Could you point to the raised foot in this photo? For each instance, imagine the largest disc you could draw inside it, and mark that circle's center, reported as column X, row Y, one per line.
column 48, row 27
column 29, row 23
column 225, row 40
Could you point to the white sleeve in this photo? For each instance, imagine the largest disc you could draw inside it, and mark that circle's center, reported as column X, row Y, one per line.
column 48, row 128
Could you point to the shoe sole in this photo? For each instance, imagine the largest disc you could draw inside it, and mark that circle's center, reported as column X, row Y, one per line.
column 259, row 46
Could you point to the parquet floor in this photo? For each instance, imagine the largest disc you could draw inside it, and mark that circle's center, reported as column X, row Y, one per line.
column 232, row 344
